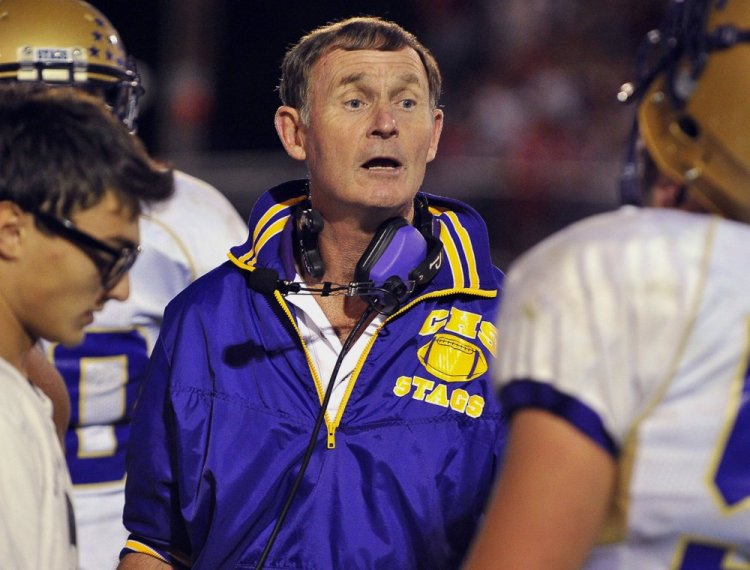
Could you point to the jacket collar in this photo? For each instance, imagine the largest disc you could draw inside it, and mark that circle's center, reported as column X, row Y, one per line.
column 466, row 264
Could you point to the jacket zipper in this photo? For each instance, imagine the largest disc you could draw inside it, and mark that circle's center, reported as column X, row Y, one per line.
column 332, row 426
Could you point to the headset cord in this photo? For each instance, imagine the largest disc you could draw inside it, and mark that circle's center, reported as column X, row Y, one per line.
column 313, row 436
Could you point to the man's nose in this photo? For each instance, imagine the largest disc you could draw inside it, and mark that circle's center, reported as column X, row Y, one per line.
column 384, row 122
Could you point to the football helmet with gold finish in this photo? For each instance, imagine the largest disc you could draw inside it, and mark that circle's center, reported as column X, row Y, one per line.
column 68, row 42
column 693, row 92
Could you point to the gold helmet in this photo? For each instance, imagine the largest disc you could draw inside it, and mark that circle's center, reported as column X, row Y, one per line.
column 694, row 110
column 68, row 42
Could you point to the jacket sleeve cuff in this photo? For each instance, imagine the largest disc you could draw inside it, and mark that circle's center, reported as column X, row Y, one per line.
column 136, row 544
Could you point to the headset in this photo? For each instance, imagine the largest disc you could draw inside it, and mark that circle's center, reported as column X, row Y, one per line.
column 399, row 258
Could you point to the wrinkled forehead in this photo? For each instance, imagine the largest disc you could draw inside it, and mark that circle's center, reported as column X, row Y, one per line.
column 341, row 67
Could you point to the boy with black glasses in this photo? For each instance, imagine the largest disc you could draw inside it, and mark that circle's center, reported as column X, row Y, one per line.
column 72, row 184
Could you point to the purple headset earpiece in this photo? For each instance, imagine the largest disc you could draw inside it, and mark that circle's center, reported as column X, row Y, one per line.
column 395, row 250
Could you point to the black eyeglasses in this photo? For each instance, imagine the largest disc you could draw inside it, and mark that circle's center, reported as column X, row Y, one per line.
column 118, row 261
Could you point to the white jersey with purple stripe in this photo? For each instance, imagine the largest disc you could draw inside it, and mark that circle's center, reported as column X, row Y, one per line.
column 634, row 326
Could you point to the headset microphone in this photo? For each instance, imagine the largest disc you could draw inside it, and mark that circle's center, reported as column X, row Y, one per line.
column 264, row 281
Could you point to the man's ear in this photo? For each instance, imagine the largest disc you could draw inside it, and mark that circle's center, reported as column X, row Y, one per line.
column 13, row 229
column 289, row 127
column 437, row 128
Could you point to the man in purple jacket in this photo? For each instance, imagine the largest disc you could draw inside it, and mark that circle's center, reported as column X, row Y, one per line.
column 323, row 401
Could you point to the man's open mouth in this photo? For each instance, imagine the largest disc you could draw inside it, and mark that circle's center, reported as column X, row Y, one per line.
column 381, row 162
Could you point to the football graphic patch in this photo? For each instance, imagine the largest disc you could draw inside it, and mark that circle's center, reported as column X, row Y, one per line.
column 452, row 359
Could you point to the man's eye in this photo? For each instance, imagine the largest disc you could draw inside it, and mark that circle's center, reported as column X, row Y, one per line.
column 408, row 103
column 354, row 104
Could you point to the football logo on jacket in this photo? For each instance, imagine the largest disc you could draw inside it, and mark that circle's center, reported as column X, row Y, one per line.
column 452, row 358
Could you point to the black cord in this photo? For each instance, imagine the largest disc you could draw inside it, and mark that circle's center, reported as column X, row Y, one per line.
column 314, row 435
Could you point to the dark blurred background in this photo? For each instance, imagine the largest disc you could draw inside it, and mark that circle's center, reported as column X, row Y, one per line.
column 534, row 137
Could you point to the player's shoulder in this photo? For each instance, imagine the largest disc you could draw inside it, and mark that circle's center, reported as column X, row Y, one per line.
column 195, row 227
column 631, row 225
column 192, row 192
column 625, row 239
column 197, row 202
column 189, row 185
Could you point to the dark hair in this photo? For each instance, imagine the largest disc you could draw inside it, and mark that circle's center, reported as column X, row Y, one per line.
column 62, row 149
column 350, row 35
